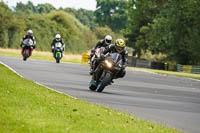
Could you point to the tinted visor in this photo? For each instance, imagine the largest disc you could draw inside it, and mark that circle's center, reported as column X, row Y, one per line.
column 108, row 41
column 30, row 34
column 57, row 39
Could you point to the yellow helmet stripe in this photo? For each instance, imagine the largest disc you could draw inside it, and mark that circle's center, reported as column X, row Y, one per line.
column 121, row 43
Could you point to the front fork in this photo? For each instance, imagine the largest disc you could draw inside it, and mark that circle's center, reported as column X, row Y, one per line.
column 30, row 51
column 56, row 54
column 99, row 73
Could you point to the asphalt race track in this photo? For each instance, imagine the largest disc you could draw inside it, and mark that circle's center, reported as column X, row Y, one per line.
column 168, row 100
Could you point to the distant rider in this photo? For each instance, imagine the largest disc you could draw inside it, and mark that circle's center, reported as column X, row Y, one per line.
column 102, row 43
column 119, row 47
column 56, row 40
column 29, row 35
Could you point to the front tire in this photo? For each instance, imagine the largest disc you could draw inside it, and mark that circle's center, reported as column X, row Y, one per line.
column 58, row 56
column 25, row 55
column 24, row 58
column 57, row 60
column 106, row 80
column 92, row 86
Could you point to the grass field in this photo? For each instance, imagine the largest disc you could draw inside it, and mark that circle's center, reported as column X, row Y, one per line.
column 28, row 107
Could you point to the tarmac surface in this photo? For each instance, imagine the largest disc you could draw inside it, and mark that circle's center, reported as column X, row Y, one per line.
column 167, row 100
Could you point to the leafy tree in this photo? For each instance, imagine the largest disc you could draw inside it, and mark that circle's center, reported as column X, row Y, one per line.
column 170, row 27
column 101, row 32
column 141, row 13
column 25, row 8
column 10, row 27
column 45, row 8
column 175, row 32
column 86, row 17
column 112, row 13
column 30, row 8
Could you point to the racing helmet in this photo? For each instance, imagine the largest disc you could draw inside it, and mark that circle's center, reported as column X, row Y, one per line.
column 30, row 32
column 120, row 45
column 58, row 37
column 108, row 39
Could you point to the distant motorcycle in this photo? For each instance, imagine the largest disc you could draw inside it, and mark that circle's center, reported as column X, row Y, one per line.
column 27, row 48
column 107, row 70
column 58, row 52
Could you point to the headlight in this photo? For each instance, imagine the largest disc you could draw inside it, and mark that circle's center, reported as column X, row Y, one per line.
column 108, row 63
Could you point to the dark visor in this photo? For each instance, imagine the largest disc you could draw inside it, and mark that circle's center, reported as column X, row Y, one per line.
column 108, row 41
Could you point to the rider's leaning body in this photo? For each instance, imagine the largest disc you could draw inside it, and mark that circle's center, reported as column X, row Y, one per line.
column 28, row 36
column 102, row 43
column 118, row 48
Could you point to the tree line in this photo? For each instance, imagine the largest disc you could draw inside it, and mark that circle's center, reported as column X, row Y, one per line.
column 75, row 26
column 167, row 27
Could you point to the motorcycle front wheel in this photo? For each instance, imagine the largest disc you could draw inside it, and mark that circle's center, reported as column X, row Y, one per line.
column 58, row 57
column 24, row 58
column 25, row 55
column 58, row 60
column 105, row 81
column 92, row 86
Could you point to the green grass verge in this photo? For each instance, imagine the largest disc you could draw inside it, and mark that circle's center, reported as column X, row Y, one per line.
column 179, row 74
column 28, row 107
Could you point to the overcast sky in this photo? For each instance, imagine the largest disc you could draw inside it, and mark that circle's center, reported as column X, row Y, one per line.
column 86, row 4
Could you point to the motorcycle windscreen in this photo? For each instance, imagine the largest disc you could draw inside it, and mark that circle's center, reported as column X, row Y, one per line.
column 116, row 57
column 28, row 42
column 58, row 45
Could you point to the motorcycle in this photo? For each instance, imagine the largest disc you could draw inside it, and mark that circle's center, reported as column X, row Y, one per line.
column 105, row 72
column 95, row 59
column 58, row 52
column 27, row 48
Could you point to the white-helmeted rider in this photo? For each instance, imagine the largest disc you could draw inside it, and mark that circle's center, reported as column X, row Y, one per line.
column 27, row 36
column 56, row 40
column 102, row 43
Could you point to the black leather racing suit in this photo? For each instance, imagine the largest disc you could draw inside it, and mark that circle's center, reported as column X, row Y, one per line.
column 100, row 44
column 27, row 37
